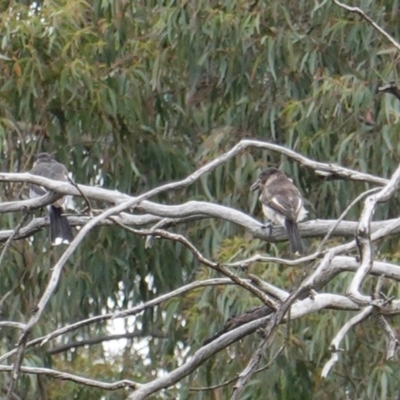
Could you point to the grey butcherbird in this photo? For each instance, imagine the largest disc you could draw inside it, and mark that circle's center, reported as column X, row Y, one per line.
column 48, row 167
column 282, row 204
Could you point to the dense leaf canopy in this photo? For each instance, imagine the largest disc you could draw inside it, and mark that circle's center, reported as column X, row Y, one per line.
column 132, row 94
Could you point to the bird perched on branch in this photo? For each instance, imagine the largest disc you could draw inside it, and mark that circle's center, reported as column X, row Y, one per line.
column 46, row 166
column 282, row 204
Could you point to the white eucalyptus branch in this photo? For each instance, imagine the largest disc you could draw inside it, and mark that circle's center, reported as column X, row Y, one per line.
column 12, row 324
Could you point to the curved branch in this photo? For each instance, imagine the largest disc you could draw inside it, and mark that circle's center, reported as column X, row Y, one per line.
column 188, row 212
column 12, row 324
column 112, row 196
column 64, row 376
column 369, row 20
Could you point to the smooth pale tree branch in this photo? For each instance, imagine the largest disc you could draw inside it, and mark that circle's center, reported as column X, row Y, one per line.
column 326, row 255
column 88, row 204
column 315, row 228
column 60, row 187
column 365, row 313
column 257, row 258
column 64, row 376
column 338, row 265
column 361, row 13
column 31, row 204
column 12, row 324
column 188, row 212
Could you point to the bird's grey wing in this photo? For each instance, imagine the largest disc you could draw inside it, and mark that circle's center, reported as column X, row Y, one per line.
column 287, row 203
column 51, row 170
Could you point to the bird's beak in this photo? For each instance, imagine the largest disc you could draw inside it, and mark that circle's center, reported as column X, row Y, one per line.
column 255, row 185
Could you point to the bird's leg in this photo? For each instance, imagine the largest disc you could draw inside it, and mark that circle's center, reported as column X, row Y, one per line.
column 268, row 226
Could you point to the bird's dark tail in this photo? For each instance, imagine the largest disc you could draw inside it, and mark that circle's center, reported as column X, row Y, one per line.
column 60, row 230
column 294, row 237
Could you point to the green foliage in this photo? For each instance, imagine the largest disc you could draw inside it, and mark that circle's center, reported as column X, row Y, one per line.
column 133, row 94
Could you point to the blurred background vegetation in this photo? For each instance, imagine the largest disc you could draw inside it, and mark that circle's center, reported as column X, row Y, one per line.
column 133, row 94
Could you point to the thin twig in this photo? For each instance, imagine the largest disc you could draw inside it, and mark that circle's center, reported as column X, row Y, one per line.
column 89, row 205
column 370, row 21
column 335, row 349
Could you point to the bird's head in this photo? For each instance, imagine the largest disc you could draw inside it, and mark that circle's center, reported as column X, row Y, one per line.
column 44, row 157
column 263, row 178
